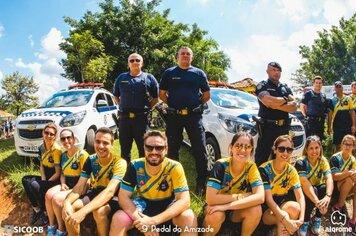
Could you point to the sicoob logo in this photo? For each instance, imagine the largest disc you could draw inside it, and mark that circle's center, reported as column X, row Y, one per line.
column 338, row 218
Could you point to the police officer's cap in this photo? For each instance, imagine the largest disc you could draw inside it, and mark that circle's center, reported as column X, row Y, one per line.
column 337, row 84
column 275, row 65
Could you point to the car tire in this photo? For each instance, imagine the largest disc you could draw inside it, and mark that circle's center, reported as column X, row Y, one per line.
column 213, row 151
column 89, row 141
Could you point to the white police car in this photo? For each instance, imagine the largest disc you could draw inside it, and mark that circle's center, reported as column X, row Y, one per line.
column 230, row 111
column 82, row 108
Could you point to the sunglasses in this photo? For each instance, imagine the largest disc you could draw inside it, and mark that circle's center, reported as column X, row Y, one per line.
column 150, row 148
column 240, row 146
column 282, row 149
column 348, row 144
column 49, row 134
column 134, row 60
column 67, row 137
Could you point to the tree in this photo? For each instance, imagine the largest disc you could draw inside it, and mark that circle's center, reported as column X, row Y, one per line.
column 19, row 93
column 135, row 26
column 333, row 55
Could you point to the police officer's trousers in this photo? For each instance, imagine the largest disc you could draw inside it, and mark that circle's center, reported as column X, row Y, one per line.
column 194, row 127
column 264, row 144
column 132, row 129
column 315, row 127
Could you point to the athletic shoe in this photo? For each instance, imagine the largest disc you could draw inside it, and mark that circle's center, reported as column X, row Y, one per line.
column 303, row 230
column 51, row 230
column 35, row 216
column 43, row 221
column 315, row 225
column 60, row 233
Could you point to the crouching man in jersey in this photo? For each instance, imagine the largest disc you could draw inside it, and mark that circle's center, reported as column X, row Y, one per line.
column 162, row 193
column 105, row 171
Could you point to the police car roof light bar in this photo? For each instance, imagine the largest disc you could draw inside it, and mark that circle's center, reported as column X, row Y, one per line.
column 86, row 85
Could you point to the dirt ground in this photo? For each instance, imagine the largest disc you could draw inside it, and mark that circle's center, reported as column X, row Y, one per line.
column 15, row 210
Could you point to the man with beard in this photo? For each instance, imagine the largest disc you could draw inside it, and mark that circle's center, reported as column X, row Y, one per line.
column 162, row 193
column 105, row 171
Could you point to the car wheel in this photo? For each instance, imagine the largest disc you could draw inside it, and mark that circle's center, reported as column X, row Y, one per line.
column 212, row 148
column 89, row 141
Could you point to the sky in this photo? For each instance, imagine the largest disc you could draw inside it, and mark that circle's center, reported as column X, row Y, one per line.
column 251, row 32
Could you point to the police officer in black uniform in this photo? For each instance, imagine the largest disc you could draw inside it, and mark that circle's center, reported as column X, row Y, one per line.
column 314, row 108
column 185, row 89
column 276, row 101
column 135, row 92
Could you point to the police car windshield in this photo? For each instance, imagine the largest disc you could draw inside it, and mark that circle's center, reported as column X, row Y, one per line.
column 73, row 98
column 234, row 99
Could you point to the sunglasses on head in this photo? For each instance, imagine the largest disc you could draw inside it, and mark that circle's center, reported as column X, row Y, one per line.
column 239, row 146
column 67, row 137
column 134, row 60
column 150, row 148
column 49, row 133
column 282, row 149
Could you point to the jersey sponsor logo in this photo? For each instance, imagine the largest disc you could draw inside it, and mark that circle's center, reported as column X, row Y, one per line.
column 75, row 166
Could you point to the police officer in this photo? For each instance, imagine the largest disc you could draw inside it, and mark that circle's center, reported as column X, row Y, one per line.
column 185, row 89
column 276, row 101
column 135, row 92
column 313, row 107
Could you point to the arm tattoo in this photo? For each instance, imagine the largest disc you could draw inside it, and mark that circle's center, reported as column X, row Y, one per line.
column 262, row 94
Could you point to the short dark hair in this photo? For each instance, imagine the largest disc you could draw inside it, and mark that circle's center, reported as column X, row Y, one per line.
column 155, row 133
column 106, row 130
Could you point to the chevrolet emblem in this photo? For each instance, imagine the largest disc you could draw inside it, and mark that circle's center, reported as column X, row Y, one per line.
column 31, row 127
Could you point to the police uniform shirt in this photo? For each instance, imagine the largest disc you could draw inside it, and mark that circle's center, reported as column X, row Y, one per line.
column 315, row 174
column 132, row 91
column 72, row 166
column 338, row 164
column 184, row 86
column 222, row 179
column 280, row 90
column 316, row 103
column 341, row 119
column 279, row 183
column 50, row 158
column 101, row 175
column 160, row 187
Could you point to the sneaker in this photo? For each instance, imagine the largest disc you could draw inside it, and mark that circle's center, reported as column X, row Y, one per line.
column 35, row 216
column 51, row 230
column 315, row 225
column 60, row 233
column 303, row 230
column 43, row 220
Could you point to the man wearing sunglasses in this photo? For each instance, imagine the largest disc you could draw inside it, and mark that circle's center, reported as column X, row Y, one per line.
column 136, row 92
column 185, row 89
column 276, row 101
column 162, row 194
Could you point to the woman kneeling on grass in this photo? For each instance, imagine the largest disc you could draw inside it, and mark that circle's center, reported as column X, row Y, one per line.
column 235, row 189
column 343, row 169
column 282, row 186
column 36, row 186
column 72, row 162
column 314, row 172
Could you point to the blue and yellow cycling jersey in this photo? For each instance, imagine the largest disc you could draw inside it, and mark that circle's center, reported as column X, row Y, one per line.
column 101, row 175
column 49, row 158
column 171, row 179
column 279, row 183
column 315, row 174
column 222, row 179
column 72, row 166
column 341, row 118
column 338, row 164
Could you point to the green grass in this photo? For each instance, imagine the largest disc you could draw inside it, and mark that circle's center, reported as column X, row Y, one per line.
column 16, row 168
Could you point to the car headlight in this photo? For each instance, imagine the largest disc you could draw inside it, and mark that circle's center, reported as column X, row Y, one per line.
column 73, row 119
column 234, row 124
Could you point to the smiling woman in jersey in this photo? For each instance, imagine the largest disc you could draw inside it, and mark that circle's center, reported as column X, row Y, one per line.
column 72, row 162
column 234, row 188
column 282, row 187
column 36, row 186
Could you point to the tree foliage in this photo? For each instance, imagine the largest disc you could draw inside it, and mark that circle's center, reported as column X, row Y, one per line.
column 19, row 93
column 332, row 55
column 135, row 26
